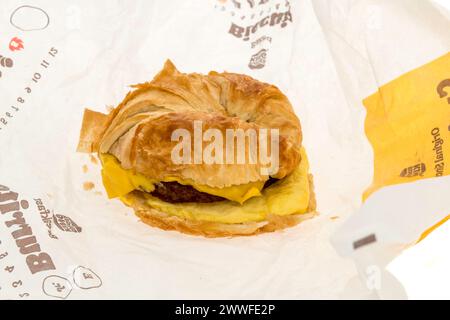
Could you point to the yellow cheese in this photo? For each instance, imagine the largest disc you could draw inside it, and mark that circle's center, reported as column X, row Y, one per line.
column 288, row 196
column 119, row 182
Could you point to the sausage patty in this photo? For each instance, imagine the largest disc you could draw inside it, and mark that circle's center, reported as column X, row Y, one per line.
column 174, row 192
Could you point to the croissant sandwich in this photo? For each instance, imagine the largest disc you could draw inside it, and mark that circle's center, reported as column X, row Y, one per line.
column 215, row 155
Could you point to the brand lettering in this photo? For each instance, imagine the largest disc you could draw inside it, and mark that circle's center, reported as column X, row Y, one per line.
column 438, row 143
column 36, row 260
column 441, row 89
column 277, row 18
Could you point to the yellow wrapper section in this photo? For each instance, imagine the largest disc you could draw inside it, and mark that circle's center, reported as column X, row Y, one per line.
column 408, row 125
column 436, row 226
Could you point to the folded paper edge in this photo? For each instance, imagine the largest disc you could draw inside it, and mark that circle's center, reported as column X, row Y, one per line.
column 91, row 129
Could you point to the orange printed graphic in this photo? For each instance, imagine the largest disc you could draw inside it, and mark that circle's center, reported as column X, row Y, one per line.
column 408, row 125
column 16, row 44
column 433, row 228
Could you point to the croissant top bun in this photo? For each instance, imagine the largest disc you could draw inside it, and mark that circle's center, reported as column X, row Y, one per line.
column 138, row 132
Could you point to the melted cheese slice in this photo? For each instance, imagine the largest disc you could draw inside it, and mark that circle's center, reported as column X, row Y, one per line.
column 119, row 182
column 288, row 196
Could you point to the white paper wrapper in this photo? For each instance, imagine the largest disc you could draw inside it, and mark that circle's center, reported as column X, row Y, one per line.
column 372, row 44
column 85, row 55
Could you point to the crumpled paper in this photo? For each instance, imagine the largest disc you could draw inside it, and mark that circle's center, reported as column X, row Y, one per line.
column 69, row 241
column 393, row 57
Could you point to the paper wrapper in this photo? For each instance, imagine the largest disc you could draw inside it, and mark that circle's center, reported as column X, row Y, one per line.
column 393, row 57
column 60, row 235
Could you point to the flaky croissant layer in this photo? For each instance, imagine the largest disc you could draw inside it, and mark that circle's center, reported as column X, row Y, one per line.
column 138, row 132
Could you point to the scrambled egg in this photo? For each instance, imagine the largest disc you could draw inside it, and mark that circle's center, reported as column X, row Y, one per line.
column 249, row 203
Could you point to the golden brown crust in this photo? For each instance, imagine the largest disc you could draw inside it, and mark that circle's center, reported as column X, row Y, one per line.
column 94, row 123
column 158, row 132
column 148, row 116
column 273, row 223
